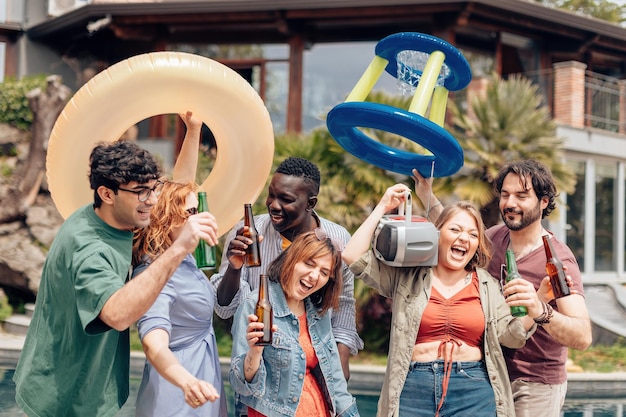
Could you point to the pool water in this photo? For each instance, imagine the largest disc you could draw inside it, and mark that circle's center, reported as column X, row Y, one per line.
column 8, row 408
column 366, row 403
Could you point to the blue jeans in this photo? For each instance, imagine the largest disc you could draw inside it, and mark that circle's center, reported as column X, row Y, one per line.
column 469, row 391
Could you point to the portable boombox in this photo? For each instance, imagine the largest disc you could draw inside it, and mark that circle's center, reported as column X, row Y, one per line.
column 406, row 240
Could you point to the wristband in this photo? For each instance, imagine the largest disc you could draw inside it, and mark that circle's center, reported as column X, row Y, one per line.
column 546, row 316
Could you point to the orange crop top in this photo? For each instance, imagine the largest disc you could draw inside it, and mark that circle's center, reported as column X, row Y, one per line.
column 459, row 318
column 451, row 321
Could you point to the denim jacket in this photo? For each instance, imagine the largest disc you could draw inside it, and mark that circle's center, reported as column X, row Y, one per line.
column 276, row 388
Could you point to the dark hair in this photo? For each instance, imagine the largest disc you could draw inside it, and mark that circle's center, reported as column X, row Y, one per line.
column 118, row 163
column 300, row 167
column 304, row 247
column 482, row 257
column 540, row 176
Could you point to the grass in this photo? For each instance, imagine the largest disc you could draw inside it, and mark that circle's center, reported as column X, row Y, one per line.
column 601, row 358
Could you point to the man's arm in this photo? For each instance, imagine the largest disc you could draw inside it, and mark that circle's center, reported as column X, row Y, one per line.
column 424, row 191
column 343, row 323
column 570, row 326
column 131, row 301
column 229, row 281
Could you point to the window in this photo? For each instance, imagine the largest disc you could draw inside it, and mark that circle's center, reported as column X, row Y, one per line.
column 3, row 52
column 605, row 218
column 575, row 234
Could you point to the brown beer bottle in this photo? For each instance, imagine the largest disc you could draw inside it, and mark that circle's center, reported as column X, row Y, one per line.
column 554, row 267
column 264, row 311
column 253, row 256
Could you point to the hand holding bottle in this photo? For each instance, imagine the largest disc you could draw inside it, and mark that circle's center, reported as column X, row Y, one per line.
column 545, row 292
column 236, row 250
column 255, row 332
column 555, row 269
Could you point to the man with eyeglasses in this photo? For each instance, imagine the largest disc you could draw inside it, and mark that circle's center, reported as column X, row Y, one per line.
column 75, row 360
column 291, row 201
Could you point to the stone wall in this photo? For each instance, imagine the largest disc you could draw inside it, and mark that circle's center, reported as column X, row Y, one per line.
column 23, row 243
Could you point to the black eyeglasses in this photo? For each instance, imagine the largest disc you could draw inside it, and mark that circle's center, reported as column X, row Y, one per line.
column 192, row 211
column 143, row 194
column 321, row 235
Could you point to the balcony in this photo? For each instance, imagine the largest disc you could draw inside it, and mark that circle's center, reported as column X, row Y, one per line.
column 583, row 99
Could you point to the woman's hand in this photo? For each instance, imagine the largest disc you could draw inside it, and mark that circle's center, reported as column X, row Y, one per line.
column 255, row 332
column 197, row 392
column 191, row 122
column 393, row 197
column 253, row 358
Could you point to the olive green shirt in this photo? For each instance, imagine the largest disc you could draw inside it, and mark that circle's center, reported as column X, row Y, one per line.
column 73, row 364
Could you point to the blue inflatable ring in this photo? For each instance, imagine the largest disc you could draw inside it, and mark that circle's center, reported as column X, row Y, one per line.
column 460, row 72
column 343, row 120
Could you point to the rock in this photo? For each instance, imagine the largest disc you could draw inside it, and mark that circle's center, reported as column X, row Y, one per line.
column 43, row 220
column 23, row 245
column 21, row 260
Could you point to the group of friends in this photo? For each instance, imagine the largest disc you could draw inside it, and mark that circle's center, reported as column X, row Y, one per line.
column 455, row 349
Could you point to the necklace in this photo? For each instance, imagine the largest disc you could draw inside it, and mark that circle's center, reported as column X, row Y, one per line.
column 455, row 286
column 529, row 249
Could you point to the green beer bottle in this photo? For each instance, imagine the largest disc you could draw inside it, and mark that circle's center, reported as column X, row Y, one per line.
column 511, row 273
column 205, row 253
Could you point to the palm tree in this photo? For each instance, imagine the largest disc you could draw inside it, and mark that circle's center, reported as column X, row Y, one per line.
column 509, row 122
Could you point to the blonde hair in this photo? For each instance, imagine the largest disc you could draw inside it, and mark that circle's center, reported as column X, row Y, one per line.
column 167, row 214
column 483, row 253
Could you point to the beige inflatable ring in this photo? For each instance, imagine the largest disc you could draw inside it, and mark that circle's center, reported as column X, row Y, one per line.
column 162, row 83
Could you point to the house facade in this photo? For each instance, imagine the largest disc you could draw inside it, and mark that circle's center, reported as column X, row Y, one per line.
column 579, row 62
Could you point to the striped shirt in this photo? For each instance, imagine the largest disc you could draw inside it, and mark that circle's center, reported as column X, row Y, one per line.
column 343, row 320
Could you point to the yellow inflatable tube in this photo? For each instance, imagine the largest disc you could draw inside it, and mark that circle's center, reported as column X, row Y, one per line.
column 162, row 83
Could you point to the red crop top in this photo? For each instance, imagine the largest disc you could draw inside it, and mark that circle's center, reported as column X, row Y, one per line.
column 459, row 318
column 451, row 321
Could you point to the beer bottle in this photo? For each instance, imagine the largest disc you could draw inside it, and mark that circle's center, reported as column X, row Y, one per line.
column 204, row 253
column 512, row 273
column 264, row 311
column 554, row 267
column 253, row 256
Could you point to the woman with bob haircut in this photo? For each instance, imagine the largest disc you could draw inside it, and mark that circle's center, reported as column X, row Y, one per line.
column 305, row 284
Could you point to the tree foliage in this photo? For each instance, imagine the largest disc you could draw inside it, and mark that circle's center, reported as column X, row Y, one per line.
column 14, row 107
column 509, row 122
column 602, row 9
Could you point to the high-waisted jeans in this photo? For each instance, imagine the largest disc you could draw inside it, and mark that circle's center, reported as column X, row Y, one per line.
column 469, row 391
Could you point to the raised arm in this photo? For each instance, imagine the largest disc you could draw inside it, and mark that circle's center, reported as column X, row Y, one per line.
column 424, row 191
column 360, row 241
column 130, row 302
column 187, row 161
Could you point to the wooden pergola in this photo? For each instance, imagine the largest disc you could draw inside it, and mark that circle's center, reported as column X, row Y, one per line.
column 124, row 29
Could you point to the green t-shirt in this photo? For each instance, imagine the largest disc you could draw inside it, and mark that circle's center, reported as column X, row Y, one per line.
column 73, row 364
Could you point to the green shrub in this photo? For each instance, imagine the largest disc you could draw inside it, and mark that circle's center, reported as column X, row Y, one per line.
column 5, row 307
column 14, row 109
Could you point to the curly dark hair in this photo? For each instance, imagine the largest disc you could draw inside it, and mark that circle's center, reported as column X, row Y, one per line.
column 118, row 163
column 300, row 167
column 539, row 175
